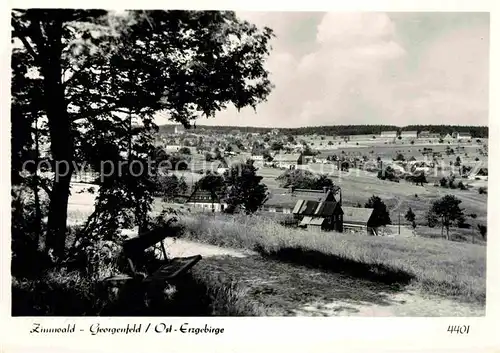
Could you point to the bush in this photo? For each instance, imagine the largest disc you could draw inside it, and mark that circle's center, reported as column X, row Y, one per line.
column 461, row 186
column 482, row 190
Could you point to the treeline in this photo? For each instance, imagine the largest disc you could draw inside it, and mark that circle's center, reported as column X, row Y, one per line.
column 344, row 130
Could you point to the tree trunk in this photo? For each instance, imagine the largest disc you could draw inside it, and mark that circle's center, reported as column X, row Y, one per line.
column 38, row 211
column 61, row 139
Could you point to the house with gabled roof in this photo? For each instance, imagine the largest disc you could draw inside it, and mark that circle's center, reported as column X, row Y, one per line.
column 206, row 200
column 324, row 213
column 288, row 160
column 359, row 218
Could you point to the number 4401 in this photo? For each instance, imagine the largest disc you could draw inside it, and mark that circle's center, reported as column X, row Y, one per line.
column 458, row 329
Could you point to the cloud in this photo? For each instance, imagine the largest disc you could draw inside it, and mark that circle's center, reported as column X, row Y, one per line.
column 355, row 68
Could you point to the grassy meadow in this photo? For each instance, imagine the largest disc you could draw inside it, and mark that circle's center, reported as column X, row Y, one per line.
column 451, row 269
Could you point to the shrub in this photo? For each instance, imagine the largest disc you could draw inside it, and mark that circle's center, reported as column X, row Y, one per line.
column 482, row 190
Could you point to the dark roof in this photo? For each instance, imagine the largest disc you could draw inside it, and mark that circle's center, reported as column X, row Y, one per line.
column 284, row 198
column 203, row 196
column 317, row 208
column 357, row 215
column 327, row 208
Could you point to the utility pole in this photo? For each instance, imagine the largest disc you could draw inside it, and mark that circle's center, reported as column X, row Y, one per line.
column 399, row 222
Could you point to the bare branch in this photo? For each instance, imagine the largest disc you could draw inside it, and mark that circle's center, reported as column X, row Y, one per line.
column 19, row 32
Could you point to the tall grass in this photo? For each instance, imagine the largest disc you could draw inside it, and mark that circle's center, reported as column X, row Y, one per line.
column 452, row 269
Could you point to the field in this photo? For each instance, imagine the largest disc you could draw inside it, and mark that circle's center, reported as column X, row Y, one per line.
column 454, row 270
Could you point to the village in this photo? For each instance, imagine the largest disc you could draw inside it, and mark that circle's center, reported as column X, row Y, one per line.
column 342, row 174
column 343, row 159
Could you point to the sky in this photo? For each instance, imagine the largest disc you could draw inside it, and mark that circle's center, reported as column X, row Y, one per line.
column 340, row 68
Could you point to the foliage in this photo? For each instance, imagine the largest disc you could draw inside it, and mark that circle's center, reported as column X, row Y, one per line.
column 389, row 173
column 119, row 70
column 482, row 230
column 170, row 186
column 244, row 188
column 410, row 217
column 304, row 179
column 380, row 215
column 483, row 190
column 448, row 211
column 212, row 182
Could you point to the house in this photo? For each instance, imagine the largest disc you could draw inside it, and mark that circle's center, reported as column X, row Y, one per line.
column 324, row 213
column 257, row 157
column 464, row 136
column 389, row 134
column 409, row 134
column 423, row 134
column 434, row 135
column 179, row 129
column 284, row 199
column 275, row 132
column 288, row 160
column 448, row 137
column 206, row 201
column 358, row 218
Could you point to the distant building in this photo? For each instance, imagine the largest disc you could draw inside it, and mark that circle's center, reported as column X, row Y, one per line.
column 206, row 201
column 423, row 134
column 288, row 160
column 179, row 129
column 409, row 134
column 464, row 136
column 275, row 132
column 358, row 218
column 389, row 134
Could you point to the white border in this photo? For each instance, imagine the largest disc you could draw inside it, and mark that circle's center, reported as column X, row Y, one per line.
column 270, row 334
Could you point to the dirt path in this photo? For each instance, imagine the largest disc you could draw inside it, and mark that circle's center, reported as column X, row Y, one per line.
column 286, row 289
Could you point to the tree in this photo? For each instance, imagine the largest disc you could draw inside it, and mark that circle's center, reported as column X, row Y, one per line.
column 457, row 162
column 244, row 188
column 400, row 157
column 277, row 146
column 99, row 71
column 410, row 217
column 380, row 214
column 448, row 211
column 214, row 183
column 184, row 150
column 482, row 230
column 432, row 219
